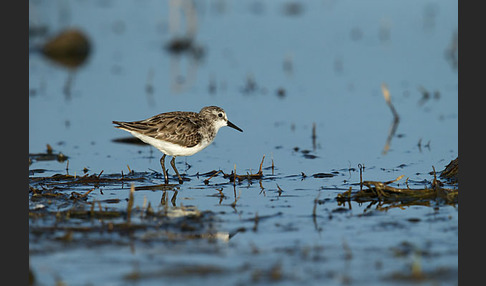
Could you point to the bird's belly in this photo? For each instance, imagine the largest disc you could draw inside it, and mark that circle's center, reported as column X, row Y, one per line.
column 171, row 149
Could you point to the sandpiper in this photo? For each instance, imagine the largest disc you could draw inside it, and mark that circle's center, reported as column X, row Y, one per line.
column 179, row 133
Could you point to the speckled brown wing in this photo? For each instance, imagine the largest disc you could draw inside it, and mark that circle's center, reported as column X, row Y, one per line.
column 175, row 127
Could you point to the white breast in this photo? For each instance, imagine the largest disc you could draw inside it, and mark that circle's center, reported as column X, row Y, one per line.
column 171, row 149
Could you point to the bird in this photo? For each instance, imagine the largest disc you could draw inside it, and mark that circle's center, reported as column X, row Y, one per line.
column 179, row 133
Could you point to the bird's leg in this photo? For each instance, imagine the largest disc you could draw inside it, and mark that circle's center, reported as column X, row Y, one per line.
column 162, row 160
column 172, row 163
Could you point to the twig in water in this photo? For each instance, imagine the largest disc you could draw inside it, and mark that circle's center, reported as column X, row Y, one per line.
column 262, row 188
column 207, row 180
column 130, row 203
column 248, row 176
column 91, row 211
column 143, row 206
column 255, row 226
column 386, row 95
column 314, row 136
column 316, row 200
column 149, row 210
column 221, row 195
column 85, row 194
column 392, row 181
column 436, row 184
column 279, row 190
column 49, row 149
column 347, row 251
column 273, row 166
column 233, row 204
column 77, row 196
column 396, row 118
column 361, row 168
column 314, row 215
column 261, row 164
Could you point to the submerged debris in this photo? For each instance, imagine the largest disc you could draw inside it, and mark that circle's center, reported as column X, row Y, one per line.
column 233, row 176
column 323, row 175
column 48, row 156
column 185, row 45
column 96, row 179
column 451, row 171
column 383, row 192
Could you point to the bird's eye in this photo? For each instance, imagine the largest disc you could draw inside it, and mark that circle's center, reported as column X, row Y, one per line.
column 220, row 114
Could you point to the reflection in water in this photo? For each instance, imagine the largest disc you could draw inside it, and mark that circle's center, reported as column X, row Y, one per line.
column 183, row 44
column 396, row 118
column 452, row 52
column 69, row 49
column 165, row 198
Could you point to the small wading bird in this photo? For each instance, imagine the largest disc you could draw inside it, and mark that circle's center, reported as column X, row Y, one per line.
column 179, row 133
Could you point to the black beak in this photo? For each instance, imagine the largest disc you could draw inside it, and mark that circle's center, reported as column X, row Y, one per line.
column 234, row 126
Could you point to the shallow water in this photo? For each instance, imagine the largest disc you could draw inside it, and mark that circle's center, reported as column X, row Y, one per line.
column 278, row 69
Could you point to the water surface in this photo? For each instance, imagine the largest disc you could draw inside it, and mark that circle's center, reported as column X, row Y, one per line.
column 280, row 69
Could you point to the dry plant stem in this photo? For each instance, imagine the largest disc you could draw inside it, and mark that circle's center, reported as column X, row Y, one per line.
column 379, row 188
column 399, row 197
column 207, row 180
column 91, row 210
column 386, row 94
column 234, row 179
column 435, row 183
column 85, row 194
column 396, row 118
column 360, row 176
column 261, row 164
column 248, row 176
column 233, row 204
column 130, row 203
column 392, row 181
